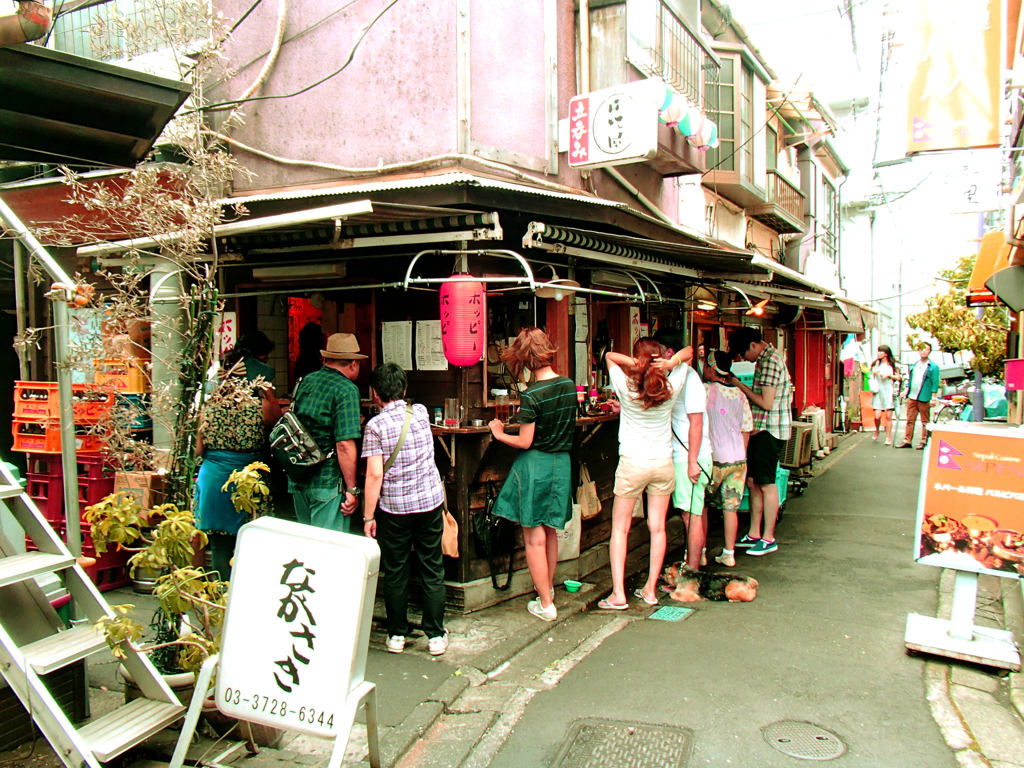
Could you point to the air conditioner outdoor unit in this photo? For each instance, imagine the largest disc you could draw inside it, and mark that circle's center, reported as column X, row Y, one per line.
column 796, row 452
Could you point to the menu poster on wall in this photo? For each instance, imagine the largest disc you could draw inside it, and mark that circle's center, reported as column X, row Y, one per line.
column 396, row 343
column 970, row 513
column 429, row 352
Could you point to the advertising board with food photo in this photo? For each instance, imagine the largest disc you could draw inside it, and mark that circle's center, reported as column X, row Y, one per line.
column 970, row 513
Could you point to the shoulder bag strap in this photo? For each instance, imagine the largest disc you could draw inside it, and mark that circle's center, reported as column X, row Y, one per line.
column 401, row 440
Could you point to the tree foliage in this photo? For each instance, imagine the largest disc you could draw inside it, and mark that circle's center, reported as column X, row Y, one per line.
column 956, row 327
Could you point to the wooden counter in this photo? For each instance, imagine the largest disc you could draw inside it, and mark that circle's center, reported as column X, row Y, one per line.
column 469, row 457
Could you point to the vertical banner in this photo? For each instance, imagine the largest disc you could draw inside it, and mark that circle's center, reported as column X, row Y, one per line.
column 954, row 95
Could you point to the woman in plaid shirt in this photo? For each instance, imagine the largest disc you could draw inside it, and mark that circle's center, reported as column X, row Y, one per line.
column 410, row 498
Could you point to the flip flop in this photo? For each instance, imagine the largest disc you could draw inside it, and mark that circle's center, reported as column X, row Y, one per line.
column 640, row 594
column 665, row 590
column 604, row 605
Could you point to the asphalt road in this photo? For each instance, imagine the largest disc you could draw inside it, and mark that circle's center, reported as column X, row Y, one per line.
column 823, row 642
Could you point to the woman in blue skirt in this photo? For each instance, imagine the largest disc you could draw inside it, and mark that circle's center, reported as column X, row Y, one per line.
column 232, row 434
column 538, row 491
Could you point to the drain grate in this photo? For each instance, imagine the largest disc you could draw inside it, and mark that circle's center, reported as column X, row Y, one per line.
column 804, row 740
column 625, row 745
column 670, row 613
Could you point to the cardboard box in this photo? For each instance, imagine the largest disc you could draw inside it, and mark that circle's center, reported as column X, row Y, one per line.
column 137, row 484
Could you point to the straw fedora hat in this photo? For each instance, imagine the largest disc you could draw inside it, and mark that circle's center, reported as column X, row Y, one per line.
column 342, row 346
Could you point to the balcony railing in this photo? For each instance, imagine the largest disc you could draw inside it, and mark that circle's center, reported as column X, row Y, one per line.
column 782, row 192
column 663, row 45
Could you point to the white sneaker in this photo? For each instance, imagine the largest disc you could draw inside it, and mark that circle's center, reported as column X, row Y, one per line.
column 396, row 644
column 438, row 645
column 547, row 614
column 729, row 561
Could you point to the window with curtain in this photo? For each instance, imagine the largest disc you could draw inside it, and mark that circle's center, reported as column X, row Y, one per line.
column 723, row 158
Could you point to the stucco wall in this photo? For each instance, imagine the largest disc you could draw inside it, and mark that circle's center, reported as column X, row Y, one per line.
column 395, row 102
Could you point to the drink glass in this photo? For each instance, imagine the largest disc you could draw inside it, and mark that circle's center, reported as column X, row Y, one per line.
column 452, row 412
column 501, row 408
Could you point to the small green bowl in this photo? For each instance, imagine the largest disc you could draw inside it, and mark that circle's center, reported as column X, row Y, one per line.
column 572, row 586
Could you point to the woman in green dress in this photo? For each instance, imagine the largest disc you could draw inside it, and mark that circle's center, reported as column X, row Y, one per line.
column 538, row 491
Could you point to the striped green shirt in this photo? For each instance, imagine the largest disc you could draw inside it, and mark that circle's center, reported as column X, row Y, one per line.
column 551, row 405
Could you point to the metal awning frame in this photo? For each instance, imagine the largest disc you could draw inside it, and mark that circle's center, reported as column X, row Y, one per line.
column 337, row 214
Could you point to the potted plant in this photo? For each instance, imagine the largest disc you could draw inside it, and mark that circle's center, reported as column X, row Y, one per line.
column 192, row 603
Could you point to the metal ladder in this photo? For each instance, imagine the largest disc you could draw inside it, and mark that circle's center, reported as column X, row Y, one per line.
column 34, row 642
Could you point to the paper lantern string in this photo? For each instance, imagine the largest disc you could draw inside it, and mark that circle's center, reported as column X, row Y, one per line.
column 688, row 120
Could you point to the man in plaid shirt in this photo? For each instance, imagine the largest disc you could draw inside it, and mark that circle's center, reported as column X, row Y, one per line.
column 770, row 399
column 327, row 404
column 404, row 507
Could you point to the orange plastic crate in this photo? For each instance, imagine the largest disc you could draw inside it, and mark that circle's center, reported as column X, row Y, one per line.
column 39, row 400
column 126, row 376
column 32, row 436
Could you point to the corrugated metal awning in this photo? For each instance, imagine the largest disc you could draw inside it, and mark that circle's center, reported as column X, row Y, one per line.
column 60, row 108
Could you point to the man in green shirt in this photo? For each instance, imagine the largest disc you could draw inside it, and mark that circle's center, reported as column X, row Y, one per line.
column 327, row 404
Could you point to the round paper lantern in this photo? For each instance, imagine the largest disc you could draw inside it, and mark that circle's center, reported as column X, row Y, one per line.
column 463, row 332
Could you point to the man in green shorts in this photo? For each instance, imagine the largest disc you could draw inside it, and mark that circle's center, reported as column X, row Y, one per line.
column 691, row 454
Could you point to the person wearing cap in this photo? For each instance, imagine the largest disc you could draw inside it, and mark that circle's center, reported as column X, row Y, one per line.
column 327, row 404
column 771, row 399
column 728, row 427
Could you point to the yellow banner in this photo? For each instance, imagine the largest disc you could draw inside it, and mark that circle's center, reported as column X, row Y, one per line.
column 955, row 91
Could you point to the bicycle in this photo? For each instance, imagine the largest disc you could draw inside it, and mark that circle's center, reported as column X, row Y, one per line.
column 950, row 409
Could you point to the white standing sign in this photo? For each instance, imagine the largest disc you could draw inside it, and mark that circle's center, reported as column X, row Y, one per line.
column 297, row 625
column 296, row 633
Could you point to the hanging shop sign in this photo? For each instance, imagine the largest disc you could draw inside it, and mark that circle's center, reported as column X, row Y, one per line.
column 971, row 504
column 954, row 97
column 462, row 321
column 619, row 125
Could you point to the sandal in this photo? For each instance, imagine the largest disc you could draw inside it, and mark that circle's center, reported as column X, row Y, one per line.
column 604, row 605
column 640, row 594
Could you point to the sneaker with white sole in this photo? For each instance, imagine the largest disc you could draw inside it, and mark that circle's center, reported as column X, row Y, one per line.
column 762, row 547
column 746, row 541
column 438, row 645
column 546, row 614
column 729, row 561
column 396, row 644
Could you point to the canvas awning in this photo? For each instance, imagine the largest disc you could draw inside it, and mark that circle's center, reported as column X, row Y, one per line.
column 993, row 256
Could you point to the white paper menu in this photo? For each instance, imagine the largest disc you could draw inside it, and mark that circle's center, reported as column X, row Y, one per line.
column 396, row 343
column 429, row 352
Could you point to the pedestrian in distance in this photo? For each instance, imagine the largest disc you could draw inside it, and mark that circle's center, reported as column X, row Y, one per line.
column 327, row 405
column 922, row 384
column 404, row 507
column 647, row 396
column 729, row 425
column 537, row 493
column 311, row 340
column 691, row 454
column 770, row 399
column 883, row 379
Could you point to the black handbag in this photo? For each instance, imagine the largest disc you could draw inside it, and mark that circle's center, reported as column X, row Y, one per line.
column 494, row 536
column 295, row 450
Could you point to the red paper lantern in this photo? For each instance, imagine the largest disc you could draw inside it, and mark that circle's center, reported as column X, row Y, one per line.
column 463, row 335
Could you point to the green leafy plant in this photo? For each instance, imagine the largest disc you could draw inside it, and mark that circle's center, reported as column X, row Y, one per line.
column 165, row 540
column 956, row 327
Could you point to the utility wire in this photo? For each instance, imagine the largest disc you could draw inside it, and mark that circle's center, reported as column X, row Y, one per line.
column 222, row 105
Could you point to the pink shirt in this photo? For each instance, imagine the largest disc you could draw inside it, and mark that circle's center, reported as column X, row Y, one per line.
column 729, row 417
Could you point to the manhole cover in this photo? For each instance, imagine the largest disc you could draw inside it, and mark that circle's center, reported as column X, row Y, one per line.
column 804, row 740
column 594, row 742
column 670, row 613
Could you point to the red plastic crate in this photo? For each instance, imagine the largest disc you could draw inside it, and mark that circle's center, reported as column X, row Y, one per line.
column 38, row 400
column 44, row 437
column 90, row 465
column 47, row 491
